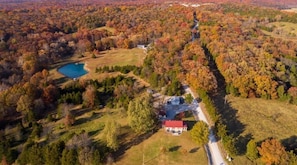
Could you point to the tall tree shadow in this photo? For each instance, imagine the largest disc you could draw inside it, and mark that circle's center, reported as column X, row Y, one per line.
column 123, row 148
column 193, row 150
column 290, row 143
column 174, row 148
column 230, row 118
column 224, row 108
column 241, row 143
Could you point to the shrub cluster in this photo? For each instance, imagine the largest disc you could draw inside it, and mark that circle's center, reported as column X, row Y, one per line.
column 123, row 69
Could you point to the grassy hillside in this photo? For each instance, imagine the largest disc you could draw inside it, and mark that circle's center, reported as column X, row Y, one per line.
column 265, row 118
column 259, row 119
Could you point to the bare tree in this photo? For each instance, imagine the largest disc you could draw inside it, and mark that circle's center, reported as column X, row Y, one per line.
column 89, row 96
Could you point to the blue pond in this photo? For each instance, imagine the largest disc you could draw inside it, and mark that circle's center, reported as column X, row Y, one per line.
column 73, row 70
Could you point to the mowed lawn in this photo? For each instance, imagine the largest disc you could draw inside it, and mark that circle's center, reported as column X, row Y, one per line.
column 180, row 150
column 112, row 57
column 118, row 57
column 265, row 118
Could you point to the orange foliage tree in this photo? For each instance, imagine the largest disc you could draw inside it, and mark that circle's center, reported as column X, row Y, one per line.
column 273, row 152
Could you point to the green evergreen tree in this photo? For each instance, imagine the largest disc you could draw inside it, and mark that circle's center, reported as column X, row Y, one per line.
column 153, row 80
column 293, row 79
column 251, row 150
column 69, row 157
column 189, row 98
column 96, row 157
column 53, row 153
column 35, row 155
column 110, row 132
column 293, row 69
column 32, row 154
column 229, row 144
column 292, row 158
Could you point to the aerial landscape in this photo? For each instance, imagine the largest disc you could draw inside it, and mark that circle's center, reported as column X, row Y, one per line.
column 130, row 82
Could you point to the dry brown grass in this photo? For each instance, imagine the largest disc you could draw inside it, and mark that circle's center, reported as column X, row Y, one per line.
column 112, row 30
column 259, row 119
column 294, row 10
column 265, row 118
column 180, row 150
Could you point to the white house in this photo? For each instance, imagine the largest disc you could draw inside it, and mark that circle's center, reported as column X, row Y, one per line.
column 175, row 127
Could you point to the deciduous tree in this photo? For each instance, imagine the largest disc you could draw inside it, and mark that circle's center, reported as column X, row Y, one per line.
column 140, row 115
column 69, row 119
column 273, row 152
column 200, row 133
column 89, row 96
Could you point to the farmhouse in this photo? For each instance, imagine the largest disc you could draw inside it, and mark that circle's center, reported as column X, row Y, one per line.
column 175, row 126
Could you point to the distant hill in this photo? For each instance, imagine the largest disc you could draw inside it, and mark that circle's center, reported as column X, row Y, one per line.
column 270, row 3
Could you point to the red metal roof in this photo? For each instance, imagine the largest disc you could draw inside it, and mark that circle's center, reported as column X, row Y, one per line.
column 174, row 123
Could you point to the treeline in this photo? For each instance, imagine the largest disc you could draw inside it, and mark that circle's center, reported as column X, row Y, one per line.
column 111, row 92
column 123, row 69
column 221, row 130
column 253, row 65
column 77, row 149
column 270, row 151
column 270, row 14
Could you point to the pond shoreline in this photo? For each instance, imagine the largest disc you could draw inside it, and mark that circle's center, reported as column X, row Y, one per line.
column 73, row 70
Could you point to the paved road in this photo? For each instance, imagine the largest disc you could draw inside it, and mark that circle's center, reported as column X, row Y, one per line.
column 212, row 146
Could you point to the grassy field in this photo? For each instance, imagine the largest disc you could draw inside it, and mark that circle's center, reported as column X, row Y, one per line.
column 291, row 10
column 260, row 119
column 106, row 58
column 117, row 57
column 180, row 150
column 265, row 118
column 90, row 121
column 284, row 30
